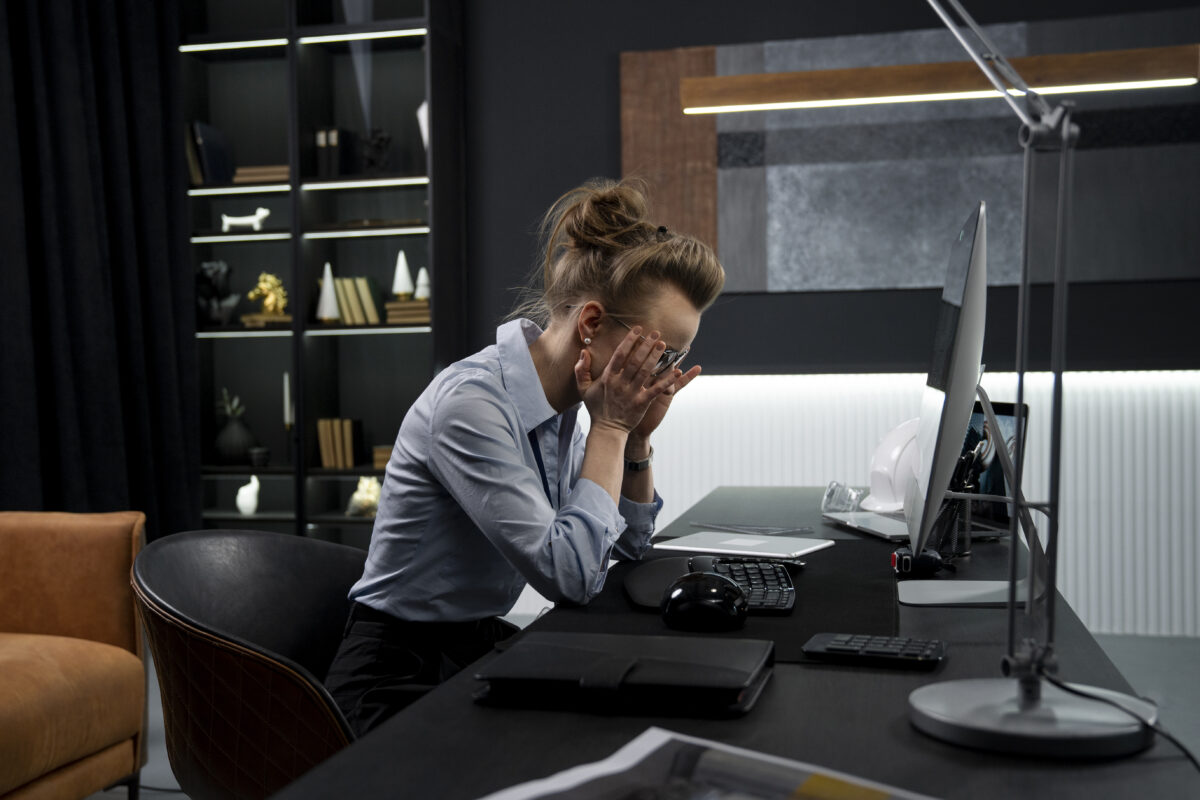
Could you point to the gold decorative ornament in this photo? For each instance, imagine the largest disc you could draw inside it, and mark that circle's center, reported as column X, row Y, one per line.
column 274, row 301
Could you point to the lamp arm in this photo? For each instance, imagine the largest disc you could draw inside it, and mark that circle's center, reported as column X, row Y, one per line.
column 992, row 61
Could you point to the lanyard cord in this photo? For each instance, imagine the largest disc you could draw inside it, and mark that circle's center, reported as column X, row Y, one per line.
column 537, row 453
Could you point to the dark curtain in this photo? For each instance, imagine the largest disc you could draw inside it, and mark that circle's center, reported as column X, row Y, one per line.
column 98, row 400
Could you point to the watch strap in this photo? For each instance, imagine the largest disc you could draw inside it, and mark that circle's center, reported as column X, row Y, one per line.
column 640, row 466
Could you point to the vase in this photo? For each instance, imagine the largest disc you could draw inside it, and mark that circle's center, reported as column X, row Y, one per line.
column 234, row 442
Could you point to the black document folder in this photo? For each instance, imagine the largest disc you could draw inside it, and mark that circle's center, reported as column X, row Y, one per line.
column 629, row 674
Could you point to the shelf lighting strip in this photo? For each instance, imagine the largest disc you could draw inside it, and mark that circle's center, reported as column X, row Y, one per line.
column 414, row 231
column 241, row 237
column 276, row 334
column 364, row 184
column 261, row 188
column 368, row 331
column 203, row 48
column 357, row 37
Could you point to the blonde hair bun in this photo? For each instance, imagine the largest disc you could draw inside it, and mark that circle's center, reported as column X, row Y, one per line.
column 600, row 244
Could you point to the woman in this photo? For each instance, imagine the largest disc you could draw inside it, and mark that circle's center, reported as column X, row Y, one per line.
column 492, row 484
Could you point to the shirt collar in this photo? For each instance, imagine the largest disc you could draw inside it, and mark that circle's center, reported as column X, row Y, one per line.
column 520, row 377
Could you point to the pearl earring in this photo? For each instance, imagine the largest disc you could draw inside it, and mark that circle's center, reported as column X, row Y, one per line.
column 587, row 341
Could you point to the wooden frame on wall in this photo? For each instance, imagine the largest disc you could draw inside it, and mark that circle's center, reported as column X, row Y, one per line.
column 674, row 153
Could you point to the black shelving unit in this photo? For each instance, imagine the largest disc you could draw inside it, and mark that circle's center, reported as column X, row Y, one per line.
column 269, row 75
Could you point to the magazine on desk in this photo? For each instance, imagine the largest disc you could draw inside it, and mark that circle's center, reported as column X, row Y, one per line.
column 663, row 764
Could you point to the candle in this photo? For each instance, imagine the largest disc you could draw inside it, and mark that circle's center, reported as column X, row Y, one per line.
column 287, row 400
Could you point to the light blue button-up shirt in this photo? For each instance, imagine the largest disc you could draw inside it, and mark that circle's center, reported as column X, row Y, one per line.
column 465, row 518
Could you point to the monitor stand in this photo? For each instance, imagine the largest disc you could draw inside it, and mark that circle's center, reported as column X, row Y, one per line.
column 983, row 594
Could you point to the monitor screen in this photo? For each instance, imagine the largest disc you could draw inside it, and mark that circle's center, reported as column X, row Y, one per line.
column 987, row 513
column 949, row 395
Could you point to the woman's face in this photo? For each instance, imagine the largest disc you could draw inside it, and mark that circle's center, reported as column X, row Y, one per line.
column 669, row 312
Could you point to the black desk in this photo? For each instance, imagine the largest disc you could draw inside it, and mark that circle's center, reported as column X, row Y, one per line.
column 850, row 719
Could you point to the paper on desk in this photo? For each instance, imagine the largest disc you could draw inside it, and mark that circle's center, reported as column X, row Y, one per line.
column 660, row 758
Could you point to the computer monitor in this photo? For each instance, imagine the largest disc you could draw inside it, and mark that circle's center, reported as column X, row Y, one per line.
column 949, row 395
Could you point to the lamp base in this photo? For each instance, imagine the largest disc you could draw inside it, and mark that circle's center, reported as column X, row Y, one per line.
column 985, row 714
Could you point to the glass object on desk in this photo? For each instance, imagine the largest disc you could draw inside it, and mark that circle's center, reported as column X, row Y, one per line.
column 840, row 497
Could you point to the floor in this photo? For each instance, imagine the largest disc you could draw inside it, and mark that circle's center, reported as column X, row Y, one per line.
column 1160, row 668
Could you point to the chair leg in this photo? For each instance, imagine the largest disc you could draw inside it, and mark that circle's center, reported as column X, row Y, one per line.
column 132, row 783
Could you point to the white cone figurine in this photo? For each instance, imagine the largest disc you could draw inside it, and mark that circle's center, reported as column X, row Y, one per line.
column 247, row 497
column 422, row 292
column 327, row 307
column 402, row 284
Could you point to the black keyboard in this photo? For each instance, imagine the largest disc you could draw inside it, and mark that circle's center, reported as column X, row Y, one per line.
column 767, row 584
column 897, row 652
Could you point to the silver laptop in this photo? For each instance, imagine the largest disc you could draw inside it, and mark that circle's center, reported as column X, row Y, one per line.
column 894, row 529
column 745, row 544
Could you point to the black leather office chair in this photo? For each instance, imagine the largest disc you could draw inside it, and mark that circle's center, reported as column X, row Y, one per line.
column 242, row 626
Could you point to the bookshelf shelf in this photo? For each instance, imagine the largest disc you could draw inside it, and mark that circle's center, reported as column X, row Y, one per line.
column 263, row 77
column 365, row 183
column 245, row 334
column 241, row 237
column 245, row 188
column 364, row 232
column 370, row 330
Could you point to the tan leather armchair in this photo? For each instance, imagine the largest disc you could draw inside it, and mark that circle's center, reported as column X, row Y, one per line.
column 72, row 670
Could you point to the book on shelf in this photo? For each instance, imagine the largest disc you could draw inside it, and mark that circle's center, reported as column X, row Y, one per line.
column 337, row 152
column 351, row 433
column 367, row 297
column 407, row 312
column 356, row 301
column 195, row 173
column 272, row 173
column 380, row 455
column 336, row 427
column 354, row 310
column 339, row 288
column 215, row 153
column 340, row 442
column 322, row 137
column 325, row 441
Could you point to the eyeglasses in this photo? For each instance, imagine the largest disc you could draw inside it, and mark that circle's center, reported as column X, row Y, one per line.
column 670, row 358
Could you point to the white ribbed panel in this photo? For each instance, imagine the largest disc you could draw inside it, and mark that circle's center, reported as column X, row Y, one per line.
column 1130, row 508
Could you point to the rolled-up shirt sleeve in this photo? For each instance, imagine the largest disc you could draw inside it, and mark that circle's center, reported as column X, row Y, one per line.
column 639, row 527
column 479, row 454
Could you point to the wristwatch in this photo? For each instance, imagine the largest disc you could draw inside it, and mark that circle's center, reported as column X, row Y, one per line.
column 640, row 466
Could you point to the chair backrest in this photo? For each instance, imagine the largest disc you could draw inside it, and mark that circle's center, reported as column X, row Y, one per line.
column 242, row 626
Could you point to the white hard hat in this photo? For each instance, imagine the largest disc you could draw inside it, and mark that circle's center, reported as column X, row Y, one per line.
column 893, row 467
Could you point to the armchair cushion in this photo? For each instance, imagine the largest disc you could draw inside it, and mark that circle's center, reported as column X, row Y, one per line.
column 68, row 575
column 63, row 699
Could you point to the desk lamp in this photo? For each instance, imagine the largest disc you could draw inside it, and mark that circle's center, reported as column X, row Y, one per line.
column 1030, row 711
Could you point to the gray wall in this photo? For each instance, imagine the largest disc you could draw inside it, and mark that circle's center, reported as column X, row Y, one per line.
column 870, row 197
column 542, row 105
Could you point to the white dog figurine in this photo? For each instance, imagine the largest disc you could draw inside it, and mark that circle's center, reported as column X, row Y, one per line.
column 254, row 220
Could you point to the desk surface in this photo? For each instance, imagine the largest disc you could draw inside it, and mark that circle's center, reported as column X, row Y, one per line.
column 852, row 719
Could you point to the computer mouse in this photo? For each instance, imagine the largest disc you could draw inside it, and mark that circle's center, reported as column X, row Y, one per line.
column 704, row 601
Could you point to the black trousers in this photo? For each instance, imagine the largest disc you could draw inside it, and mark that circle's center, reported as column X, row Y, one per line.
column 384, row 663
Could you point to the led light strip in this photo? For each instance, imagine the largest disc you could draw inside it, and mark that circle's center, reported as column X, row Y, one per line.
column 356, row 37
column 366, row 331
column 927, row 98
column 364, row 184
column 262, row 188
column 203, row 48
column 279, row 334
column 414, row 231
column 244, row 237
